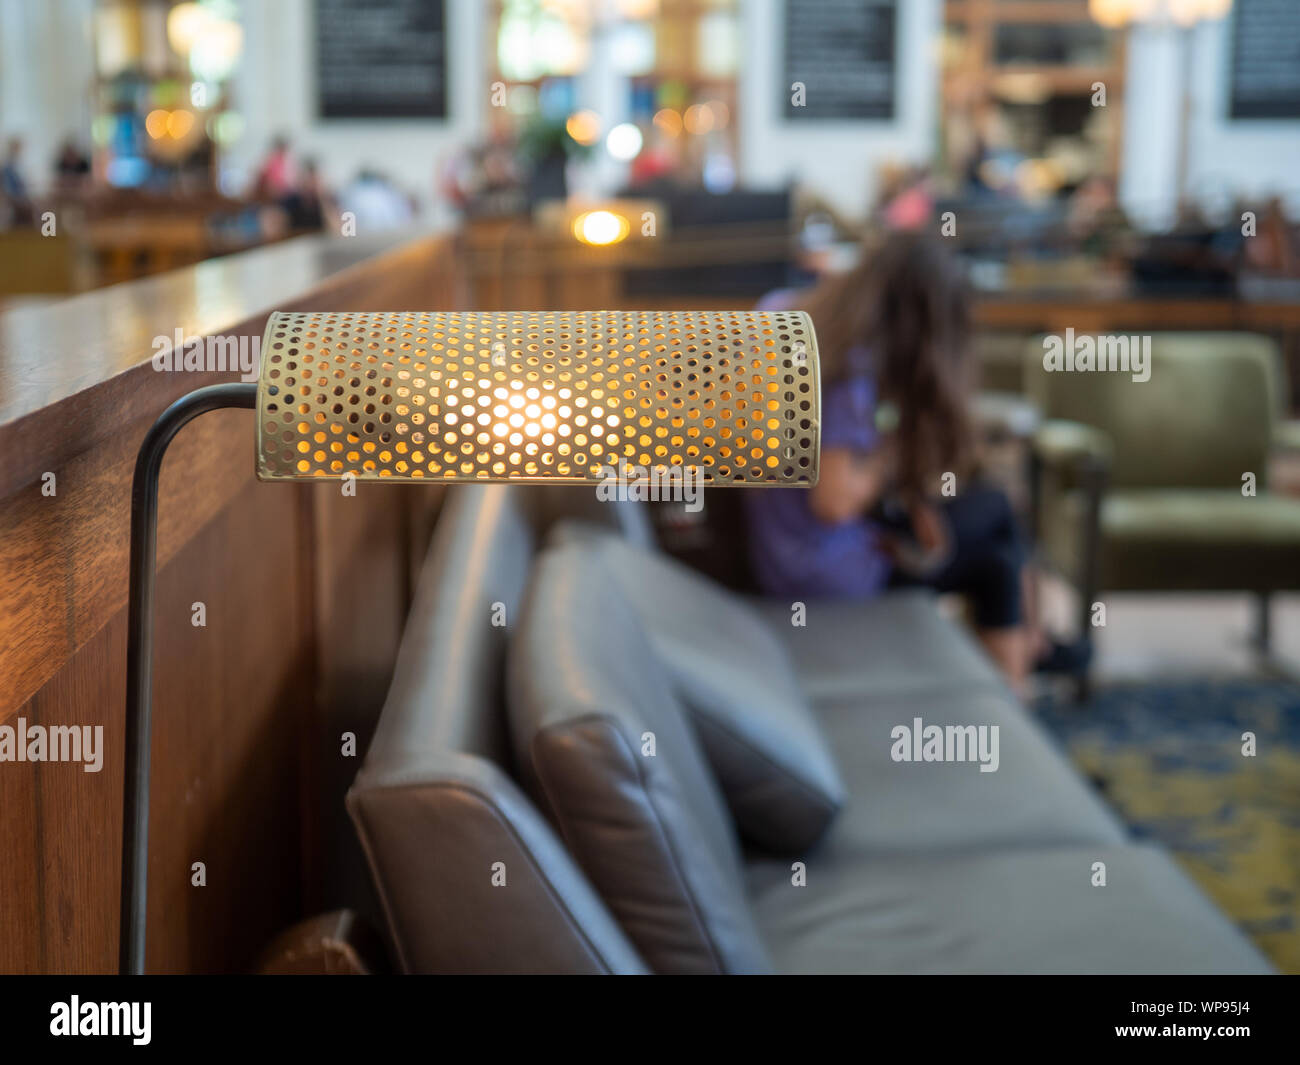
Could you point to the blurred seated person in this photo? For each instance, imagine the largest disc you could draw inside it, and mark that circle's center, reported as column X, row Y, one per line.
column 1274, row 249
column 897, row 370
column 306, row 204
column 1094, row 215
column 16, row 200
column 71, row 170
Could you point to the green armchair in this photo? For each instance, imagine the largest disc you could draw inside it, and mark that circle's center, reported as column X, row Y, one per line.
column 1141, row 486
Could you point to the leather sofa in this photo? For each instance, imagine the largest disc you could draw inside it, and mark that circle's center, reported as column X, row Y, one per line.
column 513, row 823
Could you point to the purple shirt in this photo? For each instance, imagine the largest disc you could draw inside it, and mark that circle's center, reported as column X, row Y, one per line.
column 794, row 553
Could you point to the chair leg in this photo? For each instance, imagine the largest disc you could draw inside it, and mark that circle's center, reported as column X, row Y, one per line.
column 1082, row 681
column 1263, row 634
column 1094, row 479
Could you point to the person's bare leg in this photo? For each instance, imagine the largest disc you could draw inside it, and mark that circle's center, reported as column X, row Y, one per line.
column 1036, row 637
column 1010, row 650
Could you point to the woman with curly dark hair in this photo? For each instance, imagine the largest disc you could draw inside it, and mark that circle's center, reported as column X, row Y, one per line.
column 897, row 379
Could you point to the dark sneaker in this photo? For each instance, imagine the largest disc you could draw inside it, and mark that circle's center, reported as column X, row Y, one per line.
column 1066, row 658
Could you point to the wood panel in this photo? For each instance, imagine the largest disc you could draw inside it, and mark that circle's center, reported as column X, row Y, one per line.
column 63, row 558
column 362, row 590
column 305, row 594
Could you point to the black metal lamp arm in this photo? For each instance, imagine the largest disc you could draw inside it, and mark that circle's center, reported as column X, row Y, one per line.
column 139, row 655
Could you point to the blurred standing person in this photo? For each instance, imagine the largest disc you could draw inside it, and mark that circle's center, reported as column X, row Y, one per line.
column 909, row 203
column 308, row 204
column 275, row 177
column 71, row 170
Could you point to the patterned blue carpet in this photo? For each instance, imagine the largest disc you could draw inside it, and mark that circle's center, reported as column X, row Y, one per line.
column 1169, row 758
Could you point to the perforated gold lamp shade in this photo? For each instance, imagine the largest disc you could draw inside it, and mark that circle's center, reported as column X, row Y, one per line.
column 548, row 397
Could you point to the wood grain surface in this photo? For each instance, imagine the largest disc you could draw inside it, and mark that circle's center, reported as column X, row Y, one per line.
column 305, row 593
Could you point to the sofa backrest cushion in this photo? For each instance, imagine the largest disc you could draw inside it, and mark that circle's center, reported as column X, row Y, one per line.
column 470, row 875
column 447, row 691
column 771, row 759
column 603, row 741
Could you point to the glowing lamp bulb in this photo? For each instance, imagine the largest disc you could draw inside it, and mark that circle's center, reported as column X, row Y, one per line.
column 600, row 227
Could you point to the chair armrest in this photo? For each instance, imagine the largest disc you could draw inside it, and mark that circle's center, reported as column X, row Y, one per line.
column 1007, row 416
column 1067, row 445
column 1071, row 455
column 1286, row 435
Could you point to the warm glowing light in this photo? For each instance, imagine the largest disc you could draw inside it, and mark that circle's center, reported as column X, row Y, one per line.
column 583, row 126
column 1116, row 14
column 698, row 119
column 155, row 123
column 624, row 142
column 600, row 227
column 1190, row 12
column 185, row 24
column 565, row 50
column 1038, row 178
column 214, row 55
column 179, row 123
column 721, row 113
column 1110, row 13
column 1023, row 88
column 669, row 121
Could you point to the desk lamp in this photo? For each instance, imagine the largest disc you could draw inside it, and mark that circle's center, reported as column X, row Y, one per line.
column 531, row 397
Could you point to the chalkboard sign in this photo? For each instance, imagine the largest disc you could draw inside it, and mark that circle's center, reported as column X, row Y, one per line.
column 843, row 54
column 1265, row 59
column 381, row 58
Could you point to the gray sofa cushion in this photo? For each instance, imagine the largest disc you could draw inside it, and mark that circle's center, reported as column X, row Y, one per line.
column 647, row 825
column 898, row 644
column 758, row 732
column 1034, row 798
column 1008, row 912
column 471, row 877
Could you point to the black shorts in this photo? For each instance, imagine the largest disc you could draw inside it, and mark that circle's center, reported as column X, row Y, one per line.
column 988, row 555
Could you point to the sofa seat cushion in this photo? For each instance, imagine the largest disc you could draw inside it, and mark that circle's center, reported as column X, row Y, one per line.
column 1200, row 539
column 1033, row 798
column 604, row 743
column 898, row 644
column 1163, row 539
column 1013, row 912
column 753, row 720
column 1207, row 518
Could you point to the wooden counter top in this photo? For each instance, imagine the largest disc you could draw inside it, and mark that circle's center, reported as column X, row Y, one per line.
column 73, row 370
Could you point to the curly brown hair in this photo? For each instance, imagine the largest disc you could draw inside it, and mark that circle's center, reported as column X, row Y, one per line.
column 907, row 302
